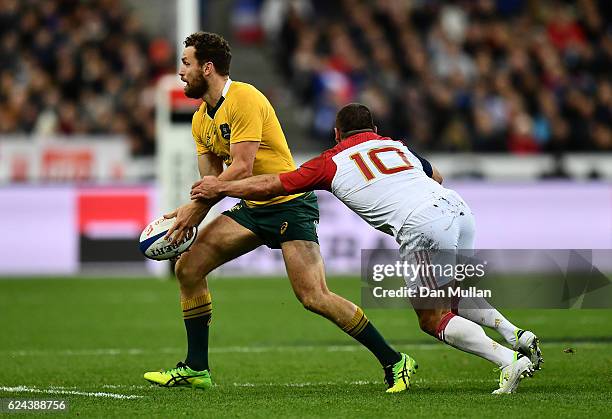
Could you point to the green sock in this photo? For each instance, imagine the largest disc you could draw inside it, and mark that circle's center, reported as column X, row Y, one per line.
column 365, row 333
column 197, row 314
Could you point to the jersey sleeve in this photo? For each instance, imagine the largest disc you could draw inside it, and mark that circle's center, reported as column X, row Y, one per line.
column 247, row 118
column 317, row 173
column 195, row 133
column 427, row 168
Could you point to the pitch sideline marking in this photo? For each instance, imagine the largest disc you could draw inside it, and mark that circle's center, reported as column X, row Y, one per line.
column 24, row 389
column 227, row 349
column 434, row 346
column 305, row 384
column 353, row 383
column 72, row 391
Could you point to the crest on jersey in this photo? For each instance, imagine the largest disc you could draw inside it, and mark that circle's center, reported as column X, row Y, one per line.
column 225, row 131
column 284, row 227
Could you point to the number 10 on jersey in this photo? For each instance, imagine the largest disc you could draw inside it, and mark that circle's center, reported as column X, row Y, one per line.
column 373, row 156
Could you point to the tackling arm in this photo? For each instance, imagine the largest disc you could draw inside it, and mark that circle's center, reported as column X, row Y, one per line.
column 314, row 174
column 256, row 187
column 260, row 187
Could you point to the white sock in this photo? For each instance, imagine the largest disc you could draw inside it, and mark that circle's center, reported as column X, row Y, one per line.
column 479, row 311
column 469, row 337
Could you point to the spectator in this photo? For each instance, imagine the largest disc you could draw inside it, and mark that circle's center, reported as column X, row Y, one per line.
column 505, row 76
column 70, row 67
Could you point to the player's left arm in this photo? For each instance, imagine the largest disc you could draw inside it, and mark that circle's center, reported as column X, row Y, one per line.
column 243, row 159
column 436, row 175
column 247, row 114
column 429, row 169
column 246, row 120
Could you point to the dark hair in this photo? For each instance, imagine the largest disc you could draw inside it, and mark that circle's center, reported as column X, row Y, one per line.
column 354, row 117
column 211, row 47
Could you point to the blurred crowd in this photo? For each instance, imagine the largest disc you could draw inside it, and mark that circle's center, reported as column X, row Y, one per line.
column 520, row 76
column 79, row 67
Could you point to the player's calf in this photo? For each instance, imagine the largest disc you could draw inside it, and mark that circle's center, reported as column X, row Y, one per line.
column 398, row 367
column 429, row 320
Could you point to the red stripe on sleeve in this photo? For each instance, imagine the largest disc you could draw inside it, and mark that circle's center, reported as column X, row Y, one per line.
column 317, row 173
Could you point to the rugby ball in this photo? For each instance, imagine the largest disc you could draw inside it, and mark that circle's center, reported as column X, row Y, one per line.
column 154, row 246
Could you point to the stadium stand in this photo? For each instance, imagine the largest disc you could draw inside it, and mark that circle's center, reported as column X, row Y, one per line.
column 514, row 76
column 518, row 76
column 79, row 67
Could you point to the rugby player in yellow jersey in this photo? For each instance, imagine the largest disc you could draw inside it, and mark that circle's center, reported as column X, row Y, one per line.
column 236, row 125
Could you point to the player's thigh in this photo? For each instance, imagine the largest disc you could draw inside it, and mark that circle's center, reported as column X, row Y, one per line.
column 220, row 241
column 467, row 232
column 429, row 249
column 305, row 267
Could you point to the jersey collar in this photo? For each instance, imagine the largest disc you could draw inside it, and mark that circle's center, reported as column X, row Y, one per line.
column 362, row 136
column 226, row 87
column 212, row 111
column 357, row 139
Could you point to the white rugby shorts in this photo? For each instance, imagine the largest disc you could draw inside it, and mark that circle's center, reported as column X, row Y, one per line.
column 432, row 235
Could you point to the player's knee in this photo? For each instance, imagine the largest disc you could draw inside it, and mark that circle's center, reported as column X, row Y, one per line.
column 312, row 300
column 308, row 302
column 187, row 272
column 428, row 321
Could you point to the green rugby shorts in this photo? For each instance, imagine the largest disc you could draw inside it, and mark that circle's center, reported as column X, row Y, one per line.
column 274, row 224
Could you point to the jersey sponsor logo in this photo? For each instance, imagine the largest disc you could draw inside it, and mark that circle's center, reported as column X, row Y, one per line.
column 225, row 131
column 284, row 227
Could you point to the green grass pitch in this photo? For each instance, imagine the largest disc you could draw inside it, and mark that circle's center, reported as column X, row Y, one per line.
column 89, row 341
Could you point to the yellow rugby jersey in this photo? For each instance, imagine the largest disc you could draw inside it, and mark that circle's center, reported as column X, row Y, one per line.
column 244, row 114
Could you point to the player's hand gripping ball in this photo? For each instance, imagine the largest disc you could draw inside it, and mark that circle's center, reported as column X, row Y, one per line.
column 154, row 246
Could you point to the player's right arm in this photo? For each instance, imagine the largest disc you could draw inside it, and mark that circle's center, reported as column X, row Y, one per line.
column 209, row 164
column 193, row 213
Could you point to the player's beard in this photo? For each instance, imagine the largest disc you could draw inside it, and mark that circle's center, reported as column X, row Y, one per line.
column 197, row 87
